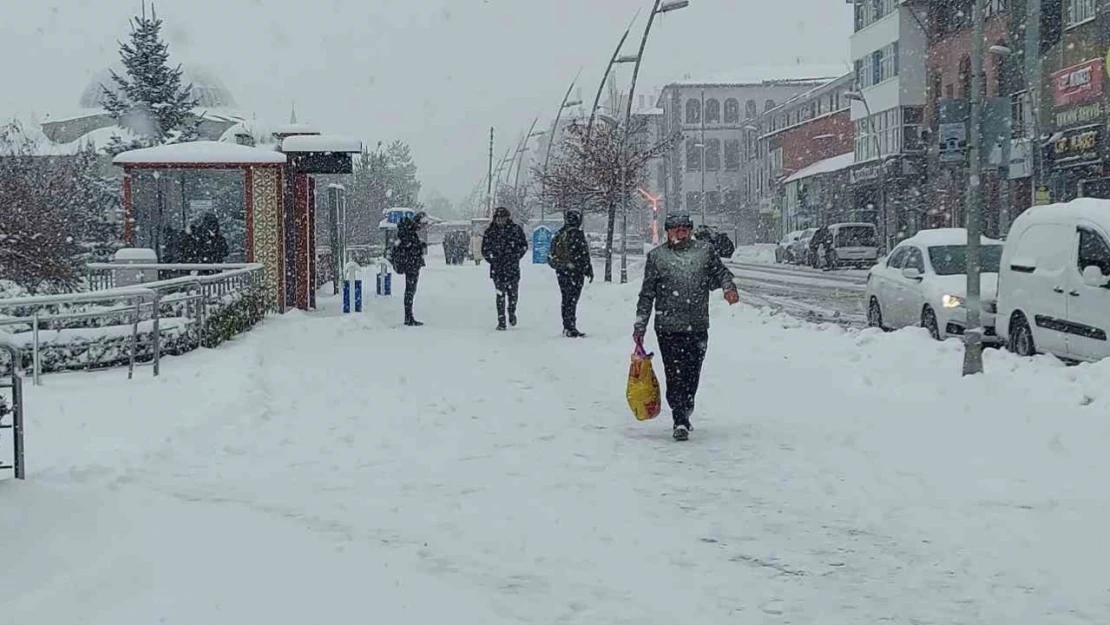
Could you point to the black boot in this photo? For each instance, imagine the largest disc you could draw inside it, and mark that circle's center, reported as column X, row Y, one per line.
column 501, row 311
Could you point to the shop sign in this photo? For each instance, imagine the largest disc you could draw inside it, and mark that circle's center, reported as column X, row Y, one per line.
column 1079, row 115
column 864, row 173
column 1078, row 83
column 1021, row 159
column 1078, row 146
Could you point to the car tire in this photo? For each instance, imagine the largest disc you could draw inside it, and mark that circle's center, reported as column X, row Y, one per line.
column 1021, row 336
column 874, row 314
column 929, row 322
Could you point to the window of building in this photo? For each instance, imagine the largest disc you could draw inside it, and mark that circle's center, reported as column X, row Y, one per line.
column 693, row 202
column 994, row 7
column 732, row 200
column 889, row 132
column 732, row 111
column 712, row 111
column 693, row 111
column 713, row 201
column 751, row 110
column 713, row 155
column 768, row 105
column 693, row 156
column 732, row 155
column 1021, row 121
column 1080, row 11
column 870, row 11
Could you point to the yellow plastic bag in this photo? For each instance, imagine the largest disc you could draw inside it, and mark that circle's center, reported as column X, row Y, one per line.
column 643, row 386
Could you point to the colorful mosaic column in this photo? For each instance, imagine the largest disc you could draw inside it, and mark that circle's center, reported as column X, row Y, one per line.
column 266, row 231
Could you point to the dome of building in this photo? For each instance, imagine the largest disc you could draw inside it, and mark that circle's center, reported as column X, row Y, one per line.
column 210, row 91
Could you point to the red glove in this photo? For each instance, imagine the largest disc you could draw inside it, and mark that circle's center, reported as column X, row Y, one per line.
column 732, row 297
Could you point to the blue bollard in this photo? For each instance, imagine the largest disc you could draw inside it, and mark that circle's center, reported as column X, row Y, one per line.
column 358, row 295
column 347, row 295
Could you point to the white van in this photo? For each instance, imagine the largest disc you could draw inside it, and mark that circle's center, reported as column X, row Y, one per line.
column 854, row 244
column 1054, row 282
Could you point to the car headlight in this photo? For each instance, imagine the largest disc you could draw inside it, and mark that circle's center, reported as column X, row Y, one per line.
column 952, row 301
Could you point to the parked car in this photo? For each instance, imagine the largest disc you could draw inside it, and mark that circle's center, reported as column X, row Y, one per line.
column 1054, row 287
column 799, row 249
column 923, row 282
column 783, row 251
column 854, row 244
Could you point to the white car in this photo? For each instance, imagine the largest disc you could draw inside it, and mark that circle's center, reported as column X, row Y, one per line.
column 923, row 282
column 1054, row 287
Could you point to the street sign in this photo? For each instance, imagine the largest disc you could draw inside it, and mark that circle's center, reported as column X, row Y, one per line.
column 953, row 142
column 398, row 215
column 541, row 244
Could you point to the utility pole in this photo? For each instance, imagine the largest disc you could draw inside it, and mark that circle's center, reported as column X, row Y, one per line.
column 973, row 336
column 489, row 177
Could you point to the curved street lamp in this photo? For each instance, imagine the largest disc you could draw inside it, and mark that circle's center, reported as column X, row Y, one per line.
column 659, row 8
column 567, row 103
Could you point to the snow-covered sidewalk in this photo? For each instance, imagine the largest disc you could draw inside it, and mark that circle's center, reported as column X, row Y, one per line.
column 341, row 469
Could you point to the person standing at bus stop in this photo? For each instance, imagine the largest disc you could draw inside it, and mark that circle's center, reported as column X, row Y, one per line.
column 408, row 258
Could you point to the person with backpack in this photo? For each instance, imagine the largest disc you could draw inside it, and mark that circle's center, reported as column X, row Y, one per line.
column 725, row 247
column 678, row 278
column 503, row 245
column 570, row 258
column 407, row 257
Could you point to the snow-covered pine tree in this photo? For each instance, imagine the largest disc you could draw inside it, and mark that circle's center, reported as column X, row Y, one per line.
column 402, row 183
column 151, row 99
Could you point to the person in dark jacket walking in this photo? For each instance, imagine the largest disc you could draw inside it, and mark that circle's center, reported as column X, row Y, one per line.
column 678, row 279
column 570, row 258
column 503, row 245
column 408, row 258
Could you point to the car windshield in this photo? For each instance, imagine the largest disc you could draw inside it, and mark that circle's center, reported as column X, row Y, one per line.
column 855, row 236
column 950, row 260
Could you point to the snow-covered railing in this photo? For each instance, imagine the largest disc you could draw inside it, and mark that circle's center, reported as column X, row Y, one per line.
column 134, row 324
column 13, row 410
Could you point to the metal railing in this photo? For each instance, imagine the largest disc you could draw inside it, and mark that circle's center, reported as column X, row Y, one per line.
column 15, row 383
column 183, row 305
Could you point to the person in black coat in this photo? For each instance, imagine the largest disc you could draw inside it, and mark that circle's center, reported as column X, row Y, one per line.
column 571, row 260
column 503, row 245
column 204, row 244
column 408, row 259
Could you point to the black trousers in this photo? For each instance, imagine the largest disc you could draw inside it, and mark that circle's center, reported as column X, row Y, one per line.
column 507, row 289
column 411, row 279
column 570, row 285
column 683, row 354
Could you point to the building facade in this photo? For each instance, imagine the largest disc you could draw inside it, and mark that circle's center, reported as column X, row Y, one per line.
column 704, row 171
column 888, row 51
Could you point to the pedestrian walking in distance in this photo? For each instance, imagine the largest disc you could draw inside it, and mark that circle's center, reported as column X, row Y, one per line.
column 407, row 257
column 570, row 258
column 678, row 278
column 503, row 245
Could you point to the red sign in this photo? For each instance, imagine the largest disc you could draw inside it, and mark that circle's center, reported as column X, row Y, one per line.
column 1078, row 83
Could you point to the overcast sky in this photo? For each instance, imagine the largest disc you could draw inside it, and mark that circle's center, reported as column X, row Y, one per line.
column 434, row 73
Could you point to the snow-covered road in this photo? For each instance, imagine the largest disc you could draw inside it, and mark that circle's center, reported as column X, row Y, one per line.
column 331, row 469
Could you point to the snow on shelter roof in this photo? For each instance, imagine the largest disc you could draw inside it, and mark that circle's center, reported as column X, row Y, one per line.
column 200, row 152
column 320, row 143
column 827, row 166
column 762, row 74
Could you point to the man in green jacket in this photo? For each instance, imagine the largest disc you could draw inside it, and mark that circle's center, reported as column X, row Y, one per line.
column 678, row 278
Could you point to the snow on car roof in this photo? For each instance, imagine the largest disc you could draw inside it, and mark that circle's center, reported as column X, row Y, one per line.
column 200, row 152
column 1091, row 209
column 945, row 236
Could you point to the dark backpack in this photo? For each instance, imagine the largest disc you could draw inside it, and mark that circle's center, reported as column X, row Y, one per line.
column 559, row 256
column 725, row 248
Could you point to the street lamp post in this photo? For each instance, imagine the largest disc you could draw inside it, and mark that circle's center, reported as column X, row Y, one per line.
column 859, row 97
column 659, row 8
column 973, row 336
column 566, row 103
column 616, row 58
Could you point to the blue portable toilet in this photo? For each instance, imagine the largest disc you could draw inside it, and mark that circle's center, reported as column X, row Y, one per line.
column 541, row 244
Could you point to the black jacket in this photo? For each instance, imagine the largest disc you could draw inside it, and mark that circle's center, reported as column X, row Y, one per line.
column 408, row 255
column 578, row 248
column 503, row 247
column 677, row 282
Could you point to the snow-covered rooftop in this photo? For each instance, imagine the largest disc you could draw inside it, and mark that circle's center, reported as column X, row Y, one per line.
column 760, row 74
column 946, row 236
column 827, row 166
column 320, row 143
column 296, row 129
column 200, row 152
